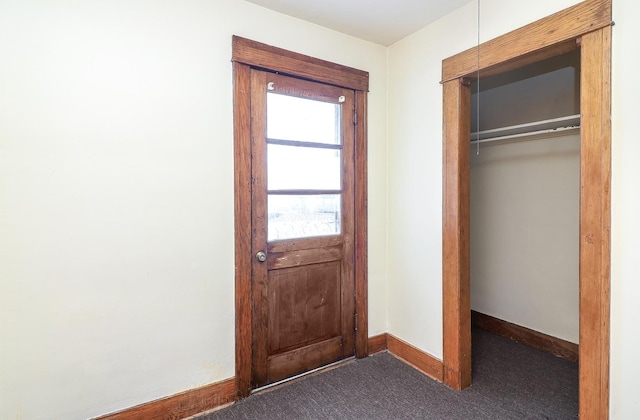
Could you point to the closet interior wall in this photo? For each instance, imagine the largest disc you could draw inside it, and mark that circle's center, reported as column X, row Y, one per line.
column 525, row 198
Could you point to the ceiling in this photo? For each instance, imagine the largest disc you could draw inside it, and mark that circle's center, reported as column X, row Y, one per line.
column 380, row 21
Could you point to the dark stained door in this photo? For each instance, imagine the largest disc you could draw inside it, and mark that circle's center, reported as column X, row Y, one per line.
column 302, row 137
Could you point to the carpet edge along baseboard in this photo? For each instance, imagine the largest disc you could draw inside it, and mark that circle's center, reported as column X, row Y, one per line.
column 556, row 346
column 208, row 397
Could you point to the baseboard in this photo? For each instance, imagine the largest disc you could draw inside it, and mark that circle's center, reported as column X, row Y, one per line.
column 420, row 360
column 195, row 401
column 377, row 343
column 531, row 338
column 181, row 405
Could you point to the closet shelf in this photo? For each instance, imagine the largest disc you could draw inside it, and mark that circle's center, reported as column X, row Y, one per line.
column 529, row 131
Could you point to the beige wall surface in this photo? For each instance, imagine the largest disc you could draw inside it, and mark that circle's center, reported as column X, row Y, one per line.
column 116, row 196
column 625, row 208
column 525, row 199
column 116, row 192
column 525, row 208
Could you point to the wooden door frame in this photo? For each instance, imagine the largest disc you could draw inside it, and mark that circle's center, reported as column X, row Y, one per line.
column 586, row 25
column 247, row 54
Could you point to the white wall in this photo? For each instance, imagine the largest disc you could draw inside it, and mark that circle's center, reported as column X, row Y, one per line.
column 625, row 208
column 415, row 178
column 116, row 196
column 525, row 201
column 525, row 208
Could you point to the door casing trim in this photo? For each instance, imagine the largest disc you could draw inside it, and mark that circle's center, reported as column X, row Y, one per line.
column 247, row 54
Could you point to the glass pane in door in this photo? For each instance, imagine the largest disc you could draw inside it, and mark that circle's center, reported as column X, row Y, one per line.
column 304, row 167
column 300, row 119
column 303, row 216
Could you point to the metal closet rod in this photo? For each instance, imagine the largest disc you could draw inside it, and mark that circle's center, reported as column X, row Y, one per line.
column 559, row 125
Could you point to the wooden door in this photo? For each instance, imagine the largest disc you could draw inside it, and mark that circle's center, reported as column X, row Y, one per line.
column 302, row 149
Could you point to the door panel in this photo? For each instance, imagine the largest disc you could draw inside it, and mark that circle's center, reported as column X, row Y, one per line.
column 304, row 257
column 284, row 365
column 304, row 305
column 302, row 137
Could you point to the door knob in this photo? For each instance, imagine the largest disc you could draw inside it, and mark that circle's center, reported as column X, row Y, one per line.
column 261, row 256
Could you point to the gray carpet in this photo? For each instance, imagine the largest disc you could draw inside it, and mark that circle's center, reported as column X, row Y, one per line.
column 510, row 381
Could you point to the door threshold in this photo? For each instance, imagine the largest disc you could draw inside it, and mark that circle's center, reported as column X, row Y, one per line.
column 303, row 375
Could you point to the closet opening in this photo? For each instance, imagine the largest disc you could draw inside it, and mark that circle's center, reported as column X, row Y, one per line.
column 587, row 26
column 524, row 230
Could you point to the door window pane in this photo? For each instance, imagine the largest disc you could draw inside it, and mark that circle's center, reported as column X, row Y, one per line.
column 299, row 119
column 302, row 216
column 303, row 168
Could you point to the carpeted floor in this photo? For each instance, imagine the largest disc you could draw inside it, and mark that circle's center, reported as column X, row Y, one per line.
column 510, row 381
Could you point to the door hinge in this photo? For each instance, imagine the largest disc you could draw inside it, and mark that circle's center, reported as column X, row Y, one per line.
column 355, row 116
column 356, row 322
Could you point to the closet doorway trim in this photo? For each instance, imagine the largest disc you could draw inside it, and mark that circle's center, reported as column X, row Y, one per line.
column 587, row 26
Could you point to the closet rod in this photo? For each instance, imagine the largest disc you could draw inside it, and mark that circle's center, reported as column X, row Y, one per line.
column 526, row 135
column 528, row 129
